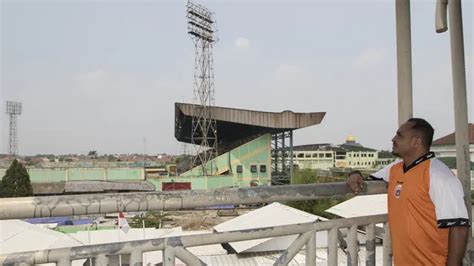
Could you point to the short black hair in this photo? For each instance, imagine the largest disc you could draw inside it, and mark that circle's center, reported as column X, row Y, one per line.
column 424, row 128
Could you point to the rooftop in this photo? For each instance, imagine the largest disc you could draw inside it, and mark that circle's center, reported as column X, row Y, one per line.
column 237, row 124
column 450, row 139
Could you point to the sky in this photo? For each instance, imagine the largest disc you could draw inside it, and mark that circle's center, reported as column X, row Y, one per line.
column 104, row 75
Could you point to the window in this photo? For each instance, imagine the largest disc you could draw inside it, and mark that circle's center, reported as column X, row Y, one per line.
column 239, row 169
column 253, row 168
column 328, row 155
column 300, row 155
column 307, row 155
column 315, row 155
column 263, row 168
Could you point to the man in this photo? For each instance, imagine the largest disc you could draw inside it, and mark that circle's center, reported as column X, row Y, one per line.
column 426, row 212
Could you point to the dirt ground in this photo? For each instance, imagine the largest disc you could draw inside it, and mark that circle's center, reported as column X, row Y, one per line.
column 200, row 219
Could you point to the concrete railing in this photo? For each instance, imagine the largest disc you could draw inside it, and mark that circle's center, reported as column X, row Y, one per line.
column 176, row 247
column 68, row 205
column 172, row 247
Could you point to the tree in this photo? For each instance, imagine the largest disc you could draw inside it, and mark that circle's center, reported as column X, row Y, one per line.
column 16, row 182
column 318, row 206
column 93, row 154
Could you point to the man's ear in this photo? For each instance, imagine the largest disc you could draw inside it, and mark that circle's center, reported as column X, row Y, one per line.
column 417, row 141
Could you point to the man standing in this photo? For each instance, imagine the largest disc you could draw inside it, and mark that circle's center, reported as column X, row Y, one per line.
column 426, row 212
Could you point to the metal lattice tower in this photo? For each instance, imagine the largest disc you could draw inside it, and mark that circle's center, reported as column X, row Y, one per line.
column 282, row 158
column 14, row 110
column 203, row 31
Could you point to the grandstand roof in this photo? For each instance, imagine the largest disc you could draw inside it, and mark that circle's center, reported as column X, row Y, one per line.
column 237, row 124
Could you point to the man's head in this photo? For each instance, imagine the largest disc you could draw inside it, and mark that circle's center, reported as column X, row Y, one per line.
column 413, row 138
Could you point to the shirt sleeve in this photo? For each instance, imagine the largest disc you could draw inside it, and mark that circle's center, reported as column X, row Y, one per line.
column 384, row 173
column 447, row 195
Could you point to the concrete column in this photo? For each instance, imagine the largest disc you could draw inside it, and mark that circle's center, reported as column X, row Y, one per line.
column 353, row 247
column 404, row 66
column 64, row 262
column 169, row 256
column 136, row 258
column 387, row 246
column 332, row 246
column 370, row 245
column 460, row 103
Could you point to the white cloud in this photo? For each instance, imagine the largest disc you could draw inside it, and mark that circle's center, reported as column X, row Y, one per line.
column 242, row 43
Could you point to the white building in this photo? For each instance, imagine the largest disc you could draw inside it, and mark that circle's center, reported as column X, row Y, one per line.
column 446, row 146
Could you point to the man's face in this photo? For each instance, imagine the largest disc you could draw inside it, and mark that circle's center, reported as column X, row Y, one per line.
column 404, row 141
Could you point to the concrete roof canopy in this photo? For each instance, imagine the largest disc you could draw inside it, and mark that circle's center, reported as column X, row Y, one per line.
column 239, row 124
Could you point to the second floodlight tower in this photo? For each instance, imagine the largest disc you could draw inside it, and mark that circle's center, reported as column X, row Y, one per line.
column 203, row 31
column 13, row 110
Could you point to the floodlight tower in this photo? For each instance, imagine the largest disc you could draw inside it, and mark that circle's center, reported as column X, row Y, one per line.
column 203, row 31
column 14, row 110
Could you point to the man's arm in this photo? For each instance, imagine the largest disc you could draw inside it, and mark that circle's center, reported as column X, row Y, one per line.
column 457, row 244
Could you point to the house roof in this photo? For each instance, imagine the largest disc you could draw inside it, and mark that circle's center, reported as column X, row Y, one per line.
column 451, row 140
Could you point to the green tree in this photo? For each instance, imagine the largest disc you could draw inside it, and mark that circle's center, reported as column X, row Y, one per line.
column 317, row 207
column 16, row 182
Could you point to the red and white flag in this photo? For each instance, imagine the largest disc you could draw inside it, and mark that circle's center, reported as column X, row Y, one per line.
column 122, row 223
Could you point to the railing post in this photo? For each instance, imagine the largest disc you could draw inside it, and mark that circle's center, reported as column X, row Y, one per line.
column 311, row 250
column 332, row 246
column 101, row 260
column 353, row 247
column 136, row 258
column 168, row 256
column 64, row 262
column 387, row 245
column 370, row 245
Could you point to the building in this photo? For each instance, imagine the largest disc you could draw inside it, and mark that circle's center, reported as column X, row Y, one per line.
column 247, row 154
column 446, row 146
column 246, row 157
column 350, row 154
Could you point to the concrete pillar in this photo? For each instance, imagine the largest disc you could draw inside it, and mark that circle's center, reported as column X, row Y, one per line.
column 460, row 102
column 404, row 66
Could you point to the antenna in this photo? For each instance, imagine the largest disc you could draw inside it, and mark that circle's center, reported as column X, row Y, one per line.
column 203, row 31
column 14, row 110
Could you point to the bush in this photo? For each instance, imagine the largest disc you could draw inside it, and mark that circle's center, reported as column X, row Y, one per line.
column 152, row 219
column 16, row 182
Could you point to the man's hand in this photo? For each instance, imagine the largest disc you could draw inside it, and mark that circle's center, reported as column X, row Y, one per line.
column 355, row 181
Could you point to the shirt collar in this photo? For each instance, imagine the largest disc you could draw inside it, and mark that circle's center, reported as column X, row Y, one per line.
column 423, row 158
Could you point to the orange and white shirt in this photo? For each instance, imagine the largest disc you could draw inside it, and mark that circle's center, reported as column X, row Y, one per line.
column 424, row 200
